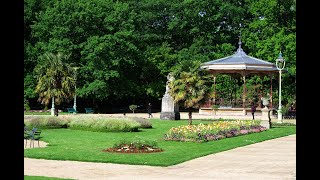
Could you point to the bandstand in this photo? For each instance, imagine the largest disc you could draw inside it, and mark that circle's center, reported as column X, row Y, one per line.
column 237, row 64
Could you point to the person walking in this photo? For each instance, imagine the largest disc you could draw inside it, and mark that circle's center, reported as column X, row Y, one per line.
column 149, row 108
column 253, row 109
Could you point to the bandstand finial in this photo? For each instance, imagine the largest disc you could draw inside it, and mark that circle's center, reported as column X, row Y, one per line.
column 240, row 40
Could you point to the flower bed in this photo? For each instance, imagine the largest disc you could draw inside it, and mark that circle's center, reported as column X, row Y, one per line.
column 130, row 148
column 213, row 131
column 136, row 146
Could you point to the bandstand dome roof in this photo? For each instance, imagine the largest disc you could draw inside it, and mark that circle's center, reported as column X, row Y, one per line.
column 241, row 63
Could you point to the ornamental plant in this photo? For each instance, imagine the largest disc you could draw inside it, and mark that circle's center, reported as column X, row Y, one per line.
column 45, row 122
column 138, row 145
column 133, row 107
column 144, row 123
column 102, row 124
column 213, row 131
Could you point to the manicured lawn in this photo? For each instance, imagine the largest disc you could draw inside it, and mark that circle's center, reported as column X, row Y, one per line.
column 42, row 178
column 66, row 144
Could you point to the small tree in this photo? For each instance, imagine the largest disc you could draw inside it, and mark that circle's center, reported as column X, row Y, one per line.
column 191, row 87
column 133, row 107
column 55, row 78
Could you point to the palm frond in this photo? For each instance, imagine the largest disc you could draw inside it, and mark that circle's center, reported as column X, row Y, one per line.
column 55, row 78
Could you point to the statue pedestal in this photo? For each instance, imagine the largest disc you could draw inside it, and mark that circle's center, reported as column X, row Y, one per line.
column 244, row 112
column 169, row 110
column 264, row 118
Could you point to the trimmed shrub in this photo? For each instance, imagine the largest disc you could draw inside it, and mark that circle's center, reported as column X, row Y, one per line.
column 100, row 124
column 45, row 122
column 144, row 123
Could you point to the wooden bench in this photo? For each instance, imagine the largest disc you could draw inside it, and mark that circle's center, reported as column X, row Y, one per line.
column 89, row 110
column 71, row 110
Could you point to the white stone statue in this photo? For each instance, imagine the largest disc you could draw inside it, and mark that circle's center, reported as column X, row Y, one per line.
column 169, row 79
column 169, row 109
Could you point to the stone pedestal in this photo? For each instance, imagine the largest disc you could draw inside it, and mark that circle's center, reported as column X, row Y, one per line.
column 264, row 118
column 169, row 116
column 244, row 112
column 52, row 111
column 169, row 109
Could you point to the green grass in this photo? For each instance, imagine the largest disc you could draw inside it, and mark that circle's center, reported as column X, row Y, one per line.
column 66, row 144
column 42, row 178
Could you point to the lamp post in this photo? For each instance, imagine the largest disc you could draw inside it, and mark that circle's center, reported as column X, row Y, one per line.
column 75, row 88
column 280, row 63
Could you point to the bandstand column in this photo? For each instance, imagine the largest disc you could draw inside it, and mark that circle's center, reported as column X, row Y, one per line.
column 271, row 76
column 244, row 94
column 214, row 90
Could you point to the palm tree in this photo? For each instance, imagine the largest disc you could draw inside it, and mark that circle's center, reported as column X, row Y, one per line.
column 191, row 88
column 56, row 79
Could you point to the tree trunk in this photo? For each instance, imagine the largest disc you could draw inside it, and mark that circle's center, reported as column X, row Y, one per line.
column 95, row 104
column 190, row 116
column 56, row 111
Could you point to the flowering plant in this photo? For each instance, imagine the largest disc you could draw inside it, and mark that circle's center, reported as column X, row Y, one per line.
column 212, row 131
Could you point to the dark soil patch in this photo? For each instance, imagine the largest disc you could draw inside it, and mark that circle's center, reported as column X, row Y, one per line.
column 132, row 149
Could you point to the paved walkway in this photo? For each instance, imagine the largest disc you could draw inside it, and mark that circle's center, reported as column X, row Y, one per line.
column 272, row 159
column 183, row 115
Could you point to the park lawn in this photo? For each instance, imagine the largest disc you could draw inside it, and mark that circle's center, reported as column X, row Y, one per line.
column 67, row 144
column 42, row 178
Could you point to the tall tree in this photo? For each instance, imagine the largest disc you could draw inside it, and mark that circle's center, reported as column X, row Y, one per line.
column 138, row 42
column 56, row 79
column 273, row 29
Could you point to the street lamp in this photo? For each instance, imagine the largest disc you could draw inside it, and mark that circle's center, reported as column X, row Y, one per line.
column 280, row 63
column 75, row 88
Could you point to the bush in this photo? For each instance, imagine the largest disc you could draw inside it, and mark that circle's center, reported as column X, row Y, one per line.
column 137, row 145
column 101, row 124
column 215, row 106
column 45, row 122
column 144, row 123
column 137, row 142
column 26, row 105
